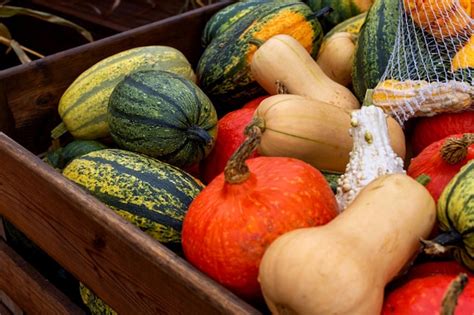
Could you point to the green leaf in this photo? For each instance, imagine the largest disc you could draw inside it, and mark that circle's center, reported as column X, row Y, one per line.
column 4, row 31
column 7, row 11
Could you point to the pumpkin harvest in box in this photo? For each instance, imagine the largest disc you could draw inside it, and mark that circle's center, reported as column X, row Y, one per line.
column 327, row 140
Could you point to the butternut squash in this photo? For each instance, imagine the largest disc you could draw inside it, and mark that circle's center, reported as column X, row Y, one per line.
column 312, row 131
column 342, row 267
column 335, row 57
column 283, row 62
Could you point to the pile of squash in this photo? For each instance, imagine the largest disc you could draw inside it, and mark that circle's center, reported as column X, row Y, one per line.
column 261, row 168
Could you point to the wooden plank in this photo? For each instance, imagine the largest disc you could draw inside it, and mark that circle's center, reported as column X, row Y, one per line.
column 30, row 291
column 2, row 230
column 128, row 15
column 9, row 304
column 129, row 270
column 4, row 310
column 33, row 90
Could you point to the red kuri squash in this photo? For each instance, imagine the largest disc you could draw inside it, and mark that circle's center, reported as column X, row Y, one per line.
column 442, row 160
column 424, row 296
column 430, row 129
column 254, row 103
column 235, row 218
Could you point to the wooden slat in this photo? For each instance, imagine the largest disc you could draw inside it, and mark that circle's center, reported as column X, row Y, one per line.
column 8, row 303
column 33, row 90
column 128, row 15
column 4, row 310
column 129, row 270
column 28, row 289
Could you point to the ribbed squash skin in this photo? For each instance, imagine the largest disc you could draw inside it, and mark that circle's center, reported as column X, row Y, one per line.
column 162, row 115
column 456, row 212
column 374, row 46
column 352, row 25
column 224, row 71
column 83, row 107
column 431, row 163
column 62, row 156
column 96, row 306
column 342, row 10
column 149, row 193
column 228, row 16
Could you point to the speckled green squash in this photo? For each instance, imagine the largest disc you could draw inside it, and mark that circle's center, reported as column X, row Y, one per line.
column 83, row 106
column 149, row 193
column 224, row 68
column 95, row 305
column 352, row 26
column 60, row 157
column 331, row 178
column 456, row 215
column 374, row 45
column 342, row 10
column 162, row 115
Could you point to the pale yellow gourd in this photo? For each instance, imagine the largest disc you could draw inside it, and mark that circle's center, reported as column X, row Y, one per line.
column 335, row 57
column 312, row 131
column 342, row 268
column 282, row 63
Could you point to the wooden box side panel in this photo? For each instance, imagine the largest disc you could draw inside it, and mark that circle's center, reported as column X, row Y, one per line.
column 28, row 289
column 129, row 270
column 32, row 91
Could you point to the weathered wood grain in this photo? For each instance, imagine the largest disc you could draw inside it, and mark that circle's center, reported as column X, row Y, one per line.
column 33, row 90
column 28, row 289
column 129, row 270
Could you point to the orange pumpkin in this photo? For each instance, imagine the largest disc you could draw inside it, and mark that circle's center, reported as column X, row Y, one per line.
column 235, row 218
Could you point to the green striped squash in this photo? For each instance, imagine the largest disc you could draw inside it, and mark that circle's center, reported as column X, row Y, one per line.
column 151, row 194
column 374, row 46
column 342, row 10
column 456, row 215
column 224, row 67
column 228, row 16
column 352, row 26
column 163, row 115
column 60, row 157
column 83, row 106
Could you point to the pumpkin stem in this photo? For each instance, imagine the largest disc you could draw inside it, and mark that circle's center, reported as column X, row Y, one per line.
column 455, row 150
column 442, row 243
column 455, row 289
column 281, row 88
column 236, row 171
column 323, row 12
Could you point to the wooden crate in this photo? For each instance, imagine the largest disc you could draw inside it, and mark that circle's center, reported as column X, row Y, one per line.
column 127, row 15
column 129, row 270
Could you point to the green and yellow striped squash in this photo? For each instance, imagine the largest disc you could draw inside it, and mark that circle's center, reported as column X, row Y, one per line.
column 83, row 106
column 374, row 45
column 342, row 10
column 228, row 16
column 352, row 26
column 455, row 214
column 162, row 115
column 152, row 195
column 224, row 68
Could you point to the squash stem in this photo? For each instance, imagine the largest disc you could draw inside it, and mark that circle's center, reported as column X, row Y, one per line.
column 257, row 42
column 423, row 179
column 455, row 289
column 454, row 150
column 58, row 131
column 442, row 243
column 201, row 135
column 323, row 12
column 236, row 171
